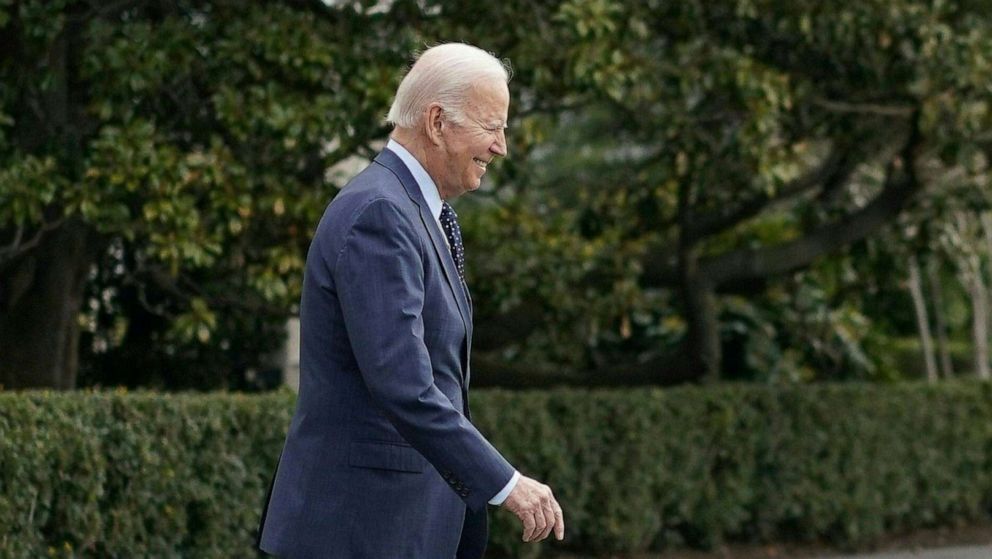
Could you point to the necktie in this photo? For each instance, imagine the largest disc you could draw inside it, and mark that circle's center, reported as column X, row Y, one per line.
column 449, row 223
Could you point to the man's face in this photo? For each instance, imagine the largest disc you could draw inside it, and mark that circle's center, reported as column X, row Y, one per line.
column 469, row 146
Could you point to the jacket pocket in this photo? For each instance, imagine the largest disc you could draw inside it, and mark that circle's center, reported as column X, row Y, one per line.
column 386, row 456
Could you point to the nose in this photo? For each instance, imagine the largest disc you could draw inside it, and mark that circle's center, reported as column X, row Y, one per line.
column 499, row 146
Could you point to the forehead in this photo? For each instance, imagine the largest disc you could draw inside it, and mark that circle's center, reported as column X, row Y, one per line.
column 489, row 100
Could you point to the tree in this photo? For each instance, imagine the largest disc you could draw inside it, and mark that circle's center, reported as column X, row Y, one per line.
column 679, row 172
column 922, row 316
column 178, row 150
column 962, row 233
column 725, row 116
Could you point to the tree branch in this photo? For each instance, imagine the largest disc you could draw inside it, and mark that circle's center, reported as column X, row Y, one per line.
column 660, row 263
column 877, row 109
column 16, row 248
column 757, row 264
column 837, row 166
column 14, row 245
column 553, row 109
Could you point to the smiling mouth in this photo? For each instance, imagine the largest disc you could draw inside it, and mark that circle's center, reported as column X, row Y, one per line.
column 480, row 163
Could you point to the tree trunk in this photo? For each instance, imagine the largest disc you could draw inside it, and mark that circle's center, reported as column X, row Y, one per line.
column 986, row 218
column 39, row 311
column 922, row 320
column 979, row 317
column 702, row 345
column 940, row 319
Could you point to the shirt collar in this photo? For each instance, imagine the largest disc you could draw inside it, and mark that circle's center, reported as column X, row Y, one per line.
column 424, row 181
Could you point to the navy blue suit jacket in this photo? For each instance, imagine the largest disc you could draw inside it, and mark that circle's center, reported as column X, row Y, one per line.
column 381, row 460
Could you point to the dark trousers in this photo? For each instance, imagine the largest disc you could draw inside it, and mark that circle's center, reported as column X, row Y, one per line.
column 475, row 533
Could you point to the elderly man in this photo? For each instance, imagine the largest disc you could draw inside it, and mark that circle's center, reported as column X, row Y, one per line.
column 381, row 460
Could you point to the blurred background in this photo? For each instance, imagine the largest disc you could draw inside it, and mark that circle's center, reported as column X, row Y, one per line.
column 774, row 192
column 763, row 192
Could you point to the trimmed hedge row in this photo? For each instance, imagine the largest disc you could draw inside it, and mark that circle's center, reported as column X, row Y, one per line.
column 135, row 475
column 149, row 475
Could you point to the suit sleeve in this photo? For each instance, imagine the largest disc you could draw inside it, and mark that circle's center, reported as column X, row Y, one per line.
column 379, row 277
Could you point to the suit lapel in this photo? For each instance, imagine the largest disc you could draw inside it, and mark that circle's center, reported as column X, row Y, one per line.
column 392, row 162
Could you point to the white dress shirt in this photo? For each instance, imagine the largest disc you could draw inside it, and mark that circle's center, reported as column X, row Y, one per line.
column 433, row 197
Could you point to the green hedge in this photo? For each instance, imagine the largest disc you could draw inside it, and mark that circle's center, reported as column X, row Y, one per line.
column 148, row 475
column 135, row 475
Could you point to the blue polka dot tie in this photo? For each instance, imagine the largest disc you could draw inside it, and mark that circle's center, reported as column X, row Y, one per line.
column 449, row 222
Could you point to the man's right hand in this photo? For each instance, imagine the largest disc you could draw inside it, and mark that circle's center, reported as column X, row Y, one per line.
column 537, row 509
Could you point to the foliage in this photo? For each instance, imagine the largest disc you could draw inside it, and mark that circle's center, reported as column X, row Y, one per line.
column 135, row 475
column 193, row 139
column 95, row 474
column 647, row 121
column 201, row 141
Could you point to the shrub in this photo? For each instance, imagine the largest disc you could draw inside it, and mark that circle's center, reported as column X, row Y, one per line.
column 149, row 475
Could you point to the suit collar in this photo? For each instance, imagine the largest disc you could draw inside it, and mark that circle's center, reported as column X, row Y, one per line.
column 388, row 159
column 428, row 188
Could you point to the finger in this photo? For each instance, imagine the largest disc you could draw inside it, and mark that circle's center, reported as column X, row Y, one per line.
column 549, row 519
column 529, row 526
column 540, row 524
column 559, row 522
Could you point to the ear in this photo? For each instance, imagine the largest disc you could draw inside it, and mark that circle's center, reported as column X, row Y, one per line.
column 434, row 123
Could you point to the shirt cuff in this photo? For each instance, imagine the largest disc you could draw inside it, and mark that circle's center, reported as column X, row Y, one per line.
column 502, row 495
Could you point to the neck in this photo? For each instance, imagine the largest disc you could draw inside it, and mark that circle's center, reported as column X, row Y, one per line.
column 421, row 151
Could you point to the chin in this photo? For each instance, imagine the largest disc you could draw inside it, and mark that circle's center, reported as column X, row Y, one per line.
column 470, row 187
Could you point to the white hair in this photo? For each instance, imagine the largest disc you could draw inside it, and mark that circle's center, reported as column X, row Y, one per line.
column 443, row 74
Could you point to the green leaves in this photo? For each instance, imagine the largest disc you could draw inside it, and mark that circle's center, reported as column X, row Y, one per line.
column 197, row 324
column 101, row 474
column 590, row 19
column 208, row 138
column 28, row 184
column 114, row 475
